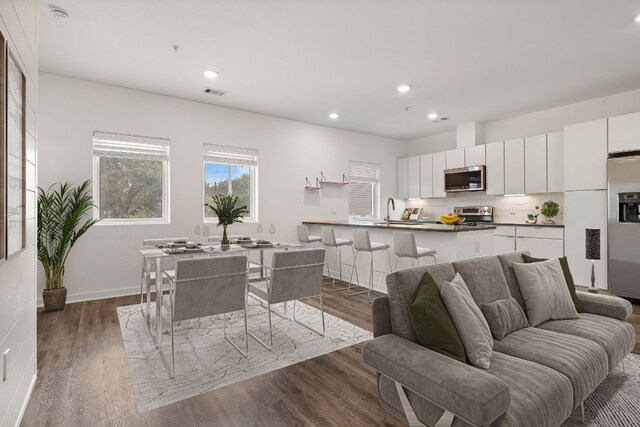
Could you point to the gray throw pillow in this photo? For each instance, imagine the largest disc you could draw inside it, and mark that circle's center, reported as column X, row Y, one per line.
column 469, row 321
column 504, row 316
column 544, row 290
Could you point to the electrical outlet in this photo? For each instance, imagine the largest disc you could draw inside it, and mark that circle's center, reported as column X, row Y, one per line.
column 5, row 356
column 334, row 211
column 512, row 211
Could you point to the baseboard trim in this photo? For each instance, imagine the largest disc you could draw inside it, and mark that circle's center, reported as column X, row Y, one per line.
column 26, row 401
column 90, row 296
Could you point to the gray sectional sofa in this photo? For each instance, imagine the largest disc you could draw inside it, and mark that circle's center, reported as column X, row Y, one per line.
column 537, row 377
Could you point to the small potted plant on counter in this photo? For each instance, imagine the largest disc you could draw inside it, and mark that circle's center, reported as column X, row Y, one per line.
column 533, row 218
column 550, row 210
column 61, row 210
column 226, row 209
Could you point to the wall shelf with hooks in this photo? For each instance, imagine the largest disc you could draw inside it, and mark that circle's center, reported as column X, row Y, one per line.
column 324, row 180
column 309, row 186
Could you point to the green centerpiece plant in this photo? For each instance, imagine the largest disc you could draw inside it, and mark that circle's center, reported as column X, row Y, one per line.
column 226, row 209
column 61, row 222
column 550, row 210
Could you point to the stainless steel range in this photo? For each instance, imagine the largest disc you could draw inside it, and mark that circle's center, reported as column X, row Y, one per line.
column 475, row 213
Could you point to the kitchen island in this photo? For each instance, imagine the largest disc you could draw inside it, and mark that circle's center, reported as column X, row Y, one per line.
column 453, row 242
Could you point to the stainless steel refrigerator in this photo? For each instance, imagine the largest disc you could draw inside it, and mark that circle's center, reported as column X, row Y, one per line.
column 624, row 226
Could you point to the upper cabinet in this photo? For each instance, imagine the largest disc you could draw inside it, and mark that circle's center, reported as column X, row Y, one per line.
column 495, row 168
column 514, row 166
column 439, row 166
column 555, row 162
column 426, row 176
column 585, row 156
column 535, row 164
column 455, row 158
column 624, row 133
column 403, row 168
column 413, row 177
column 475, row 156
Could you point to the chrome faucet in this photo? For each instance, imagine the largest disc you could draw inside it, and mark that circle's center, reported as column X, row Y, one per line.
column 393, row 206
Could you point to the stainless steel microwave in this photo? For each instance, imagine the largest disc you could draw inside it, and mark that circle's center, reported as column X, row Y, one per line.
column 471, row 178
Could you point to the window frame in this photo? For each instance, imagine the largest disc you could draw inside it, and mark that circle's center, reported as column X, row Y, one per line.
column 253, row 186
column 132, row 221
column 375, row 192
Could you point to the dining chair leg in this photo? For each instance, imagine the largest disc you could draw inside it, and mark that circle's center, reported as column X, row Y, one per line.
column 396, row 267
column 389, row 258
column 354, row 268
column 173, row 353
column 270, row 326
column 339, row 259
column 370, row 279
column 224, row 332
column 308, row 326
column 246, row 330
column 349, row 293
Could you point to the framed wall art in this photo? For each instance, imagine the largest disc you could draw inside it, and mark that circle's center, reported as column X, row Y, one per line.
column 15, row 108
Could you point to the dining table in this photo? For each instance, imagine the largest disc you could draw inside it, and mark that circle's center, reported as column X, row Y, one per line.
column 154, row 255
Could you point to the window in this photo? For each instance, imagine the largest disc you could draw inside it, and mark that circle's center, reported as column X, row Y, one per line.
column 231, row 170
column 130, row 178
column 363, row 190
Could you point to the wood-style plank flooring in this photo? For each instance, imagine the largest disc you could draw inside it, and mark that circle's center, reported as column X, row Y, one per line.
column 83, row 379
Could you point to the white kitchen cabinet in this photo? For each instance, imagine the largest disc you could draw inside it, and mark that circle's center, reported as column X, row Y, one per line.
column 403, row 169
column 426, row 176
column 585, row 209
column 585, row 156
column 455, row 158
column 439, row 166
column 475, row 156
column 514, row 166
column 495, row 168
column 504, row 239
column 624, row 133
column 535, row 164
column 413, row 177
column 540, row 248
column 555, row 162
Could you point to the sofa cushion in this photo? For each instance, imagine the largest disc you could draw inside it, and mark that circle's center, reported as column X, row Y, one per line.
column 582, row 361
column 540, row 396
column 616, row 337
column 564, row 263
column 506, row 262
column 504, row 316
column 432, row 323
column 545, row 291
column 484, row 278
column 470, row 323
column 402, row 286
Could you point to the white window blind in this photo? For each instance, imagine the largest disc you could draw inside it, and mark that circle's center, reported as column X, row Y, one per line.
column 130, row 146
column 230, row 155
column 363, row 188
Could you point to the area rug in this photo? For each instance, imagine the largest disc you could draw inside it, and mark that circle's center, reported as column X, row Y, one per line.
column 206, row 361
column 616, row 402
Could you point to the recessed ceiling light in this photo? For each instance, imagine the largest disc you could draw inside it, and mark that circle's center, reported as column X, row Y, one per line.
column 637, row 19
column 334, row 115
column 210, row 74
column 433, row 116
column 404, row 88
column 59, row 14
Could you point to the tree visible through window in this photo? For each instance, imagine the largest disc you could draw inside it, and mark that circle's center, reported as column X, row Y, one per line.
column 230, row 170
column 130, row 177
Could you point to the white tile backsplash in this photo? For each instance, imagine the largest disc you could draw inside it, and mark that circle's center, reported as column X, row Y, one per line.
column 505, row 209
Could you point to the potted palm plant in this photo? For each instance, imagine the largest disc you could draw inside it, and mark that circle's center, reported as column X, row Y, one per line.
column 550, row 210
column 61, row 212
column 226, row 209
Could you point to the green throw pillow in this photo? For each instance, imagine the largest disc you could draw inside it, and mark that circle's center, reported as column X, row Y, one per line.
column 567, row 277
column 432, row 324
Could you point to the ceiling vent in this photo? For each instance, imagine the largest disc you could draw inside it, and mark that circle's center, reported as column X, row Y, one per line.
column 212, row 91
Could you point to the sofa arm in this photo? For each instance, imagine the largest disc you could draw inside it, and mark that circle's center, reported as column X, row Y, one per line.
column 605, row 305
column 381, row 316
column 469, row 393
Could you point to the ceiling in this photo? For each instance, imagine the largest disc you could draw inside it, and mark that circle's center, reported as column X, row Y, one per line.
column 303, row 59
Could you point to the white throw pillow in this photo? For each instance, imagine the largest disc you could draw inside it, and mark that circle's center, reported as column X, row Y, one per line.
column 470, row 323
column 544, row 290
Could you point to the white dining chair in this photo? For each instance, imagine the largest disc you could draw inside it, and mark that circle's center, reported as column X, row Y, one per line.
column 305, row 238
column 404, row 245
column 148, row 275
column 210, row 286
column 293, row 275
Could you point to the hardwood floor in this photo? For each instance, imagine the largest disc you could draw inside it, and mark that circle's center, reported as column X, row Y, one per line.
column 83, row 379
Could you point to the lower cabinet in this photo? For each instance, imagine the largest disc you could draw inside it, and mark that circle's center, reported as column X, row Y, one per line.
column 504, row 239
column 540, row 242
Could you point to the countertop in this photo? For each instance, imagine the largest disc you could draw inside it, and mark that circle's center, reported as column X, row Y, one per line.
column 411, row 226
column 524, row 224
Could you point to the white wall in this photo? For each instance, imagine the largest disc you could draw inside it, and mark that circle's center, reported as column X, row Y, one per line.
column 550, row 120
column 105, row 261
column 17, row 274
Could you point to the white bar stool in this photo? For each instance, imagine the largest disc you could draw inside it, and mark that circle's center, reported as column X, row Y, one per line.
column 404, row 245
column 329, row 240
column 305, row 238
column 362, row 243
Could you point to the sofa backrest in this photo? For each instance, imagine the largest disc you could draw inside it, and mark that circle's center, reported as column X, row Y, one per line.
column 484, row 278
column 401, row 290
column 506, row 261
